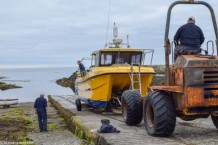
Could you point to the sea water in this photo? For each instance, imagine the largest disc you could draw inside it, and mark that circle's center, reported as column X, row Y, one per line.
column 34, row 81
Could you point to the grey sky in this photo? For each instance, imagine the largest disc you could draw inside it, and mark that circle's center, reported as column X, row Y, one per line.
column 59, row 32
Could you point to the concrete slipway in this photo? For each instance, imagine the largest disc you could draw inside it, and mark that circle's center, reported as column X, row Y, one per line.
column 85, row 124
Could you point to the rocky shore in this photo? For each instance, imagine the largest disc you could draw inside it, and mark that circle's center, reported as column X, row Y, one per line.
column 19, row 125
column 4, row 86
column 67, row 82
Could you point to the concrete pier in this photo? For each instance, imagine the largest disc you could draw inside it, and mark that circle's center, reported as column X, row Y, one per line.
column 86, row 123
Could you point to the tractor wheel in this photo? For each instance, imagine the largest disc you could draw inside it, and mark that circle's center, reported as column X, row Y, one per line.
column 78, row 105
column 215, row 120
column 132, row 107
column 159, row 114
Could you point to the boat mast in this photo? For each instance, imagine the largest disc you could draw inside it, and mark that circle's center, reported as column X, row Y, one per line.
column 108, row 19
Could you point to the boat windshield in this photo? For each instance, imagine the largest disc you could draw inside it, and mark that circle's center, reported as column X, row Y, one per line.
column 110, row 58
column 106, row 58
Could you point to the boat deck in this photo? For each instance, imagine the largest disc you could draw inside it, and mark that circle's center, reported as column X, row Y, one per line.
column 85, row 124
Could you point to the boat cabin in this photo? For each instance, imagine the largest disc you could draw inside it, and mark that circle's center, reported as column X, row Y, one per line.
column 108, row 57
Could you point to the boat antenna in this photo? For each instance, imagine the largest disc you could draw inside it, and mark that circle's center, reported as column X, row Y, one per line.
column 127, row 37
column 108, row 19
column 115, row 31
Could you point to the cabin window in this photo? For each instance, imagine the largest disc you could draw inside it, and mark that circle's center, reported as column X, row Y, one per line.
column 122, row 57
column 93, row 60
column 119, row 57
column 106, row 58
column 136, row 58
column 97, row 59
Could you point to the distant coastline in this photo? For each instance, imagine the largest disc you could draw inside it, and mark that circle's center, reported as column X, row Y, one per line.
column 34, row 66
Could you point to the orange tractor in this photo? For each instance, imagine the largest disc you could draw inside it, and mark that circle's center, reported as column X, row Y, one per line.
column 190, row 90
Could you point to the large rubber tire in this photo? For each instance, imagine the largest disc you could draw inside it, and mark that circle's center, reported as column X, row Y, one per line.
column 78, row 105
column 215, row 120
column 132, row 107
column 159, row 114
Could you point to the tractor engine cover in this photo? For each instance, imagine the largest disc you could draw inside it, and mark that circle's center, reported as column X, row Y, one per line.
column 199, row 78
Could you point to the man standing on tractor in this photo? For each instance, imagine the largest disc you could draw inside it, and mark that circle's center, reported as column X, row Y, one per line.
column 190, row 37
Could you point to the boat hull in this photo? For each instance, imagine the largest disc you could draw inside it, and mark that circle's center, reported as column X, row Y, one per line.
column 4, row 102
column 101, row 85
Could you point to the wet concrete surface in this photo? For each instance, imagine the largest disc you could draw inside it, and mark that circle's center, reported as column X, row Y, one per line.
column 200, row 131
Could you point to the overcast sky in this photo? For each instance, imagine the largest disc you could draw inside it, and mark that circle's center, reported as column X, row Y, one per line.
column 58, row 32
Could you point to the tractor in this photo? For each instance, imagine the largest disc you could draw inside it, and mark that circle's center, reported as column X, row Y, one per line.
column 190, row 89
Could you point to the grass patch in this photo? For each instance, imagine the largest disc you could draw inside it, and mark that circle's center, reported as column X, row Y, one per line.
column 52, row 126
column 14, row 125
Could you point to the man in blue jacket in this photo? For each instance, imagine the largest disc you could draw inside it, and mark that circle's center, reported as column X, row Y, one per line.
column 40, row 106
column 190, row 37
column 81, row 68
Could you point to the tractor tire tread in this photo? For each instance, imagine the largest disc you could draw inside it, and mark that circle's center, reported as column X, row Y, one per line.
column 133, row 107
column 165, row 114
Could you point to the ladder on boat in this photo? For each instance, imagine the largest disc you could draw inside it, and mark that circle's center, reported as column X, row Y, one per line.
column 136, row 77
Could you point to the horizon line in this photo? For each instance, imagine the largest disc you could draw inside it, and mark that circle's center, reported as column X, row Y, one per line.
column 33, row 66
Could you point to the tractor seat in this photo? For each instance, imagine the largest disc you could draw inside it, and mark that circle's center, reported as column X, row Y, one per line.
column 189, row 52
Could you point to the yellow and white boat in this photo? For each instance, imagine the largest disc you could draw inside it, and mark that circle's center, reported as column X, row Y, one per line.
column 114, row 70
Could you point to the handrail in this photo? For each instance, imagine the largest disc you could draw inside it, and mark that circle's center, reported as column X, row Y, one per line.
column 172, row 50
column 208, row 42
column 146, row 51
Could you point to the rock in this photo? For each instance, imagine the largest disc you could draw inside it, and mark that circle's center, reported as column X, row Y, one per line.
column 158, row 80
column 159, row 69
column 4, row 86
column 68, row 82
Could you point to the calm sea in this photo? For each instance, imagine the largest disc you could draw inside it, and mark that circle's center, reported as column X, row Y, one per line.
column 34, row 81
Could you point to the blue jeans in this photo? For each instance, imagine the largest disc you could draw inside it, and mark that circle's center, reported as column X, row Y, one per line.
column 42, row 119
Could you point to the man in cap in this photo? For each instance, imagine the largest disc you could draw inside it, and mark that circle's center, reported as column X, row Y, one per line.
column 40, row 106
column 190, row 37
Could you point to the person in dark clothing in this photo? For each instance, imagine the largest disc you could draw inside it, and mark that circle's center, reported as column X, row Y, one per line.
column 106, row 127
column 81, row 68
column 40, row 106
column 190, row 37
